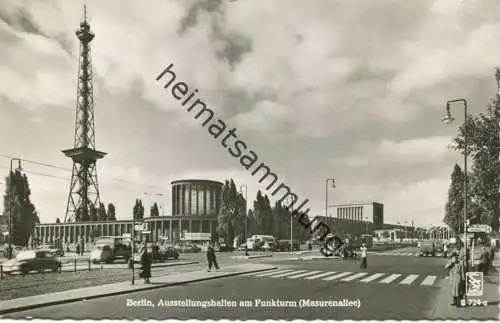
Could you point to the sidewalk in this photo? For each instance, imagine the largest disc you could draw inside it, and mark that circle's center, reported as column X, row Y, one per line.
column 25, row 303
column 443, row 310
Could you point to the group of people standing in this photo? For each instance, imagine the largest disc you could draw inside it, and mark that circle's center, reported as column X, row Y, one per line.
column 147, row 260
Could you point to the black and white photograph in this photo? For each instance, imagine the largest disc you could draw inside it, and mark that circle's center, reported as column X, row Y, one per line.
column 250, row 160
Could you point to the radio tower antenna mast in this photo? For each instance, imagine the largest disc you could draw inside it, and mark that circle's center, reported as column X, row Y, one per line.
column 84, row 188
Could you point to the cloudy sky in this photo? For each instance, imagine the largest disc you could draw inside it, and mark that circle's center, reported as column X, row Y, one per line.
column 318, row 88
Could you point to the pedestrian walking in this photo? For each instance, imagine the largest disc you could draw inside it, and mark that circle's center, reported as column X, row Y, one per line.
column 456, row 278
column 364, row 263
column 146, row 265
column 211, row 258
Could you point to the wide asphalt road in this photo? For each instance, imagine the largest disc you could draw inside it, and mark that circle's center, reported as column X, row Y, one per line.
column 393, row 287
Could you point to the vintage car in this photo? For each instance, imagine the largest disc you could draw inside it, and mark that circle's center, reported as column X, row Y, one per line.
column 109, row 249
column 427, row 248
column 27, row 261
column 54, row 250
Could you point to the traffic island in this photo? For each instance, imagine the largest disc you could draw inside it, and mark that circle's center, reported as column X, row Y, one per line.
column 74, row 295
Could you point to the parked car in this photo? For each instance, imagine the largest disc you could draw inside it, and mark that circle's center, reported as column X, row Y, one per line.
column 223, row 248
column 26, row 261
column 54, row 250
column 427, row 248
column 187, row 248
column 284, row 245
column 439, row 247
column 161, row 253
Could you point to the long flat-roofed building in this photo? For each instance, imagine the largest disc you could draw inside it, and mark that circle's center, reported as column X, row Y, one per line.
column 195, row 208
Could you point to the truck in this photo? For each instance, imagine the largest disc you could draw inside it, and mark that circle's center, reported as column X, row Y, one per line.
column 427, row 248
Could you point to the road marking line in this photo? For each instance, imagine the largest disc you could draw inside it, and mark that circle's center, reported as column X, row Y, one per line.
column 337, row 276
column 273, row 272
column 305, row 274
column 389, row 279
column 353, row 277
column 372, row 277
column 321, row 275
column 429, row 280
column 408, row 280
column 286, row 274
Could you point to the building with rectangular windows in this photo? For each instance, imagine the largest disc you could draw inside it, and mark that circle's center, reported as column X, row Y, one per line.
column 372, row 212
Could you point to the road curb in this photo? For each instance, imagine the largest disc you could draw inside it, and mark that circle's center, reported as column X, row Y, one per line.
column 251, row 257
column 146, row 287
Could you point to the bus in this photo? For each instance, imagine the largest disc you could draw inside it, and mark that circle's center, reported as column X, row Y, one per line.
column 257, row 242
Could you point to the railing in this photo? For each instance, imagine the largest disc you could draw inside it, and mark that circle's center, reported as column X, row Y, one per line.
column 66, row 265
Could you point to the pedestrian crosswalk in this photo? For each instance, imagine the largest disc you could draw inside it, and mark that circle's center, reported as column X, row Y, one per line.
column 357, row 277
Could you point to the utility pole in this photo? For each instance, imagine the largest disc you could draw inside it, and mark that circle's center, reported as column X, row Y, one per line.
column 11, row 226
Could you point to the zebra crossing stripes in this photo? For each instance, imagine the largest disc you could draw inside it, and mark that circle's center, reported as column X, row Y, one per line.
column 273, row 272
column 353, row 277
column 408, row 280
column 372, row 277
column 304, row 274
column 286, row 274
column 429, row 280
column 337, row 276
column 389, row 279
column 328, row 273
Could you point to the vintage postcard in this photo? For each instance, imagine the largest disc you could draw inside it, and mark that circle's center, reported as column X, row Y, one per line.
column 250, row 160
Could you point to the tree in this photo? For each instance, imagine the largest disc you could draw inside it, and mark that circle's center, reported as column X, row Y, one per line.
column 263, row 214
column 231, row 217
column 154, row 212
column 454, row 207
column 58, row 220
column 111, row 216
column 94, row 213
column 24, row 216
column 102, row 212
column 138, row 211
column 482, row 133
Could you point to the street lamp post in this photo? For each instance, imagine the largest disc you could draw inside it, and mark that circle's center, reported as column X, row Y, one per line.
column 449, row 119
column 10, row 203
column 326, row 193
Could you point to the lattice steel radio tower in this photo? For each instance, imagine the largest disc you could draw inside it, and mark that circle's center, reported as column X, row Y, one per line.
column 84, row 189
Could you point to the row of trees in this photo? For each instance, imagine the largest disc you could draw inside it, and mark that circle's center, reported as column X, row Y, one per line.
column 138, row 211
column 95, row 214
column 483, row 145
column 261, row 219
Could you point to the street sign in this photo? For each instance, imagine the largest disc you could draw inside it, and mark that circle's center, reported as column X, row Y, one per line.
column 474, row 283
column 479, row 228
column 139, row 227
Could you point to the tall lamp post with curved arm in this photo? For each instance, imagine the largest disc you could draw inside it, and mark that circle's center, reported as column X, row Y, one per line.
column 332, row 179
column 448, row 119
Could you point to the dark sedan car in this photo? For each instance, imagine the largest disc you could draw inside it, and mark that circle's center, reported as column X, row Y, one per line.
column 26, row 261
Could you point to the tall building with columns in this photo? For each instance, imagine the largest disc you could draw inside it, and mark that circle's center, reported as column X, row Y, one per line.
column 195, row 208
